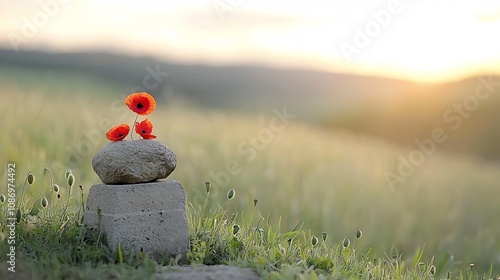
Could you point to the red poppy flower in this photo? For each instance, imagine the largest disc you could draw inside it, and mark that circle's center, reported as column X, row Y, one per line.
column 118, row 133
column 142, row 103
column 144, row 129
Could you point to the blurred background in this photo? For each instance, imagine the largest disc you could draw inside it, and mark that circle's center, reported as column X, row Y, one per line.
column 392, row 127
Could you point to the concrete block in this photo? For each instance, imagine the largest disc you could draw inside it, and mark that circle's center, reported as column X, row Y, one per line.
column 148, row 217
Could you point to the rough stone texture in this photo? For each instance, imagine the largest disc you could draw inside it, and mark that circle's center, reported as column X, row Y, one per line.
column 131, row 162
column 148, row 218
column 219, row 272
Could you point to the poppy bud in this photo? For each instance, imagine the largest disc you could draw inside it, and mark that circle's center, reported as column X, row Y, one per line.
column 314, row 240
column 359, row 233
column 255, row 202
column 18, row 215
column 346, row 243
column 44, row 202
column 30, row 178
column 325, row 236
column 432, row 270
column 68, row 172
column 230, row 194
column 56, row 188
column 208, row 185
column 71, row 180
column 2, row 198
column 236, row 229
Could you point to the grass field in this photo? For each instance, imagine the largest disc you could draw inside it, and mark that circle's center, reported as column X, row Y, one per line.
column 332, row 182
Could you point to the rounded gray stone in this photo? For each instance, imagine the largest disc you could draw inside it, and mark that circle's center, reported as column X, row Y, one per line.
column 132, row 162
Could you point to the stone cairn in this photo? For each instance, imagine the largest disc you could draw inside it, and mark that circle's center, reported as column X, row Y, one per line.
column 134, row 208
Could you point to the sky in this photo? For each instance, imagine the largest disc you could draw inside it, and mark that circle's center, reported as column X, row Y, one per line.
column 418, row 40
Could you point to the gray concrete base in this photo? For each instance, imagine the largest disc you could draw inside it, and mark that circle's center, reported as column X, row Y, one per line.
column 219, row 272
column 149, row 217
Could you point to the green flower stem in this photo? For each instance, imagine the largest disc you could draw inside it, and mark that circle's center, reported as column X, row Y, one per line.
column 133, row 127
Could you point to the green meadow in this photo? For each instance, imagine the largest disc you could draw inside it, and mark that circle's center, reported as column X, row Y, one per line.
column 301, row 177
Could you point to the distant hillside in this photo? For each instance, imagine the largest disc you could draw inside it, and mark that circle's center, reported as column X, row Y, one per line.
column 396, row 110
column 248, row 87
column 471, row 122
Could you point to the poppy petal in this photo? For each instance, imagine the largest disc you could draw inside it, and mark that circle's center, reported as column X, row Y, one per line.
column 118, row 132
column 148, row 136
column 141, row 103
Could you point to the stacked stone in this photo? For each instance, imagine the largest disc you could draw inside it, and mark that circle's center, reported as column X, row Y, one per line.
column 134, row 207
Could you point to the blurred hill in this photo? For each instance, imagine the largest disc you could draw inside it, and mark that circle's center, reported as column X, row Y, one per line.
column 399, row 111
column 231, row 87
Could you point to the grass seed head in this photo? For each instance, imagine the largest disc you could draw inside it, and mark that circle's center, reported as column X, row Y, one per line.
column 230, row 194
column 31, row 178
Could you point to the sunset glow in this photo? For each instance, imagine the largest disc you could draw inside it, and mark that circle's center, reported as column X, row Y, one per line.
column 426, row 41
